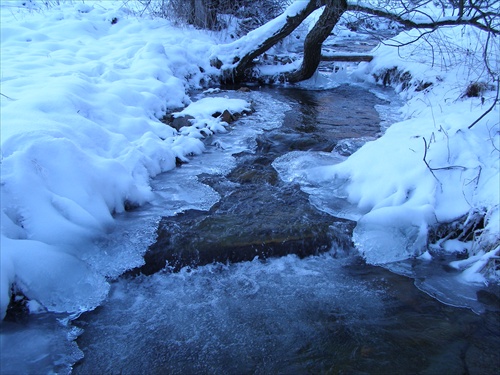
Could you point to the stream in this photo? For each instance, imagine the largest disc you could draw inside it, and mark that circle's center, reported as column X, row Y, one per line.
column 247, row 275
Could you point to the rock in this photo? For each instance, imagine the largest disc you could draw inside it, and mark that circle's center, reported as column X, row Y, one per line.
column 216, row 63
column 18, row 310
column 226, row 116
column 180, row 122
column 229, row 117
column 243, row 226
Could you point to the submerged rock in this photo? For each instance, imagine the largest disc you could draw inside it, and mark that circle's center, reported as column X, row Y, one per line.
column 244, row 226
column 259, row 215
column 18, row 310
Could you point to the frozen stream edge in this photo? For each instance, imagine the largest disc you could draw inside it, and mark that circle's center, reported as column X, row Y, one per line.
column 237, row 282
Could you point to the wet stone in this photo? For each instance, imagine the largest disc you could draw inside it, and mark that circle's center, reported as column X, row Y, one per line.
column 245, row 225
column 180, row 122
column 490, row 297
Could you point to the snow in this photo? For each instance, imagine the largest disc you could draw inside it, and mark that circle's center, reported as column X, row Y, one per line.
column 81, row 136
column 474, row 265
column 226, row 53
column 204, row 107
column 203, row 110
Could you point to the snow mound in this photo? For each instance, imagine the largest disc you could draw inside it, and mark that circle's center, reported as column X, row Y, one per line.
column 83, row 88
column 203, row 112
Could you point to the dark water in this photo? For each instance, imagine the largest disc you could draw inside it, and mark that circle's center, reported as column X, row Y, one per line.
column 295, row 314
column 258, row 214
column 284, row 316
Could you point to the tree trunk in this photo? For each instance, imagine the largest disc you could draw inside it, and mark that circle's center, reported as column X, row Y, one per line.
column 235, row 58
column 315, row 38
column 203, row 14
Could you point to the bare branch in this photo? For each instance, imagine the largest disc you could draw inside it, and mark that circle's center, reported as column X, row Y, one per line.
column 8, row 97
column 495, row 102
column 400, row 44
column 473, row 21
column 427, row 164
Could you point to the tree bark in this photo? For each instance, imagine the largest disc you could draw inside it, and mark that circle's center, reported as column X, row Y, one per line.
column 236, row 58
column 203, row 14
column 234, row 70
column 315, row 38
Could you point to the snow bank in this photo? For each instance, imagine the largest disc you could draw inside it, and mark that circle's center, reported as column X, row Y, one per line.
column 430, row 168
column 83, row 88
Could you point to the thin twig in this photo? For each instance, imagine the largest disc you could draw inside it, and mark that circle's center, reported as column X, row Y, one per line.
column 495, row 148
column 8, row 97
column 489, row 109
column 440, row 168
column 425, row 161
column 473, row 21
column 450, row 167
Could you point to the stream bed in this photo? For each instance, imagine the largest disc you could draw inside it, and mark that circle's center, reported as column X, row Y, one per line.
column 246, row 276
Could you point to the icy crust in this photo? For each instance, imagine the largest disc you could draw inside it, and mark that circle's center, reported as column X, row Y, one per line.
column 83, row 86
column 43, row 346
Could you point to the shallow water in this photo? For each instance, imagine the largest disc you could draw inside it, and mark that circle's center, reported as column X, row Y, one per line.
column 258, row 213
column 285, row 315
column 328, row 313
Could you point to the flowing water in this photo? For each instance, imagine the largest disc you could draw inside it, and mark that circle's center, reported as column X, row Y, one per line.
column 296, row 300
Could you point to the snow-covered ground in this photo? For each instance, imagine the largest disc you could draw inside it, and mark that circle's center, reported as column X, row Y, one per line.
column 84, row 84
column 83, row 87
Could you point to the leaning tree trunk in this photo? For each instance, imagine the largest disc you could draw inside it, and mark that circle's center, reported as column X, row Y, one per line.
column 315, row 38
column 235, row 58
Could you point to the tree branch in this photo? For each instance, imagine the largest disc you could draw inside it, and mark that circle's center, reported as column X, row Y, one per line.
column 427, row 164
column 472, row 21
column 495, row 102
column 315, row 38
column 246, row 49
column 8, row 97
